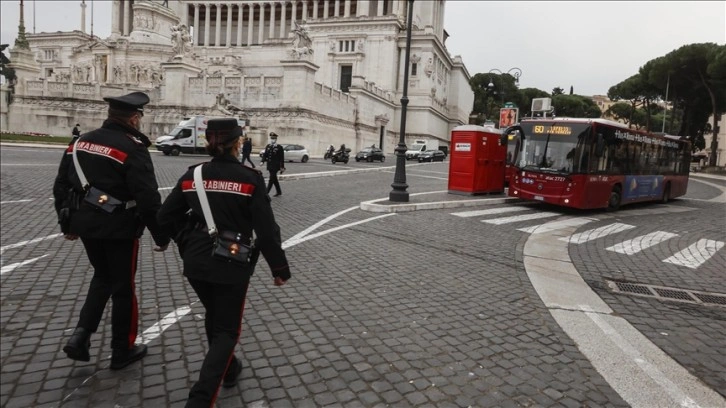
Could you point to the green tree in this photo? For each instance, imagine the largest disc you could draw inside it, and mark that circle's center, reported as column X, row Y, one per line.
column 557, row 91
column 695, row 76
column 575, row 106
column 5, row 70
column 640, row 93
column 489, row 99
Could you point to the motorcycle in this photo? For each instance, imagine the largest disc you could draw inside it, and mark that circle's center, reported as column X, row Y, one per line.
column 329, row 152
column 341, row 156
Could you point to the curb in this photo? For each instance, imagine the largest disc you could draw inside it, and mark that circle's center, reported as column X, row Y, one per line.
column 373, row 206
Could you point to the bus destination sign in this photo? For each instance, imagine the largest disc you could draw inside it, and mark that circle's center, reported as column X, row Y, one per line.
column 554, row 130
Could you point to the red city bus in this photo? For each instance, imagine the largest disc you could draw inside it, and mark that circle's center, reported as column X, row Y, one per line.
column 597, row 163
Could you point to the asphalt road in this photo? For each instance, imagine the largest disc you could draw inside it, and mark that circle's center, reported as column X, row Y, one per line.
column 445, row 307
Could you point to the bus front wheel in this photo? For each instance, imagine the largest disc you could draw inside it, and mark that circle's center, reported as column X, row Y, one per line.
column 615, row 198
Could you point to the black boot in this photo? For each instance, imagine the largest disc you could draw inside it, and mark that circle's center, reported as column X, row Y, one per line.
column 78, row 345
column 121, row 358
column 233, row 371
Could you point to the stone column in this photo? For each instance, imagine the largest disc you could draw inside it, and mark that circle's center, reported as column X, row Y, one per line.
column 305, row 10
column 185, row 14
column 346, row 10
column 336, row 12
column 315, row 9
column 293, row 16
column 283, row 11
column 261, row 28
column 115, row 15
column 218, row 25
column 250, row 23
column 326, row 9
column 127, row 12
column 396, row 7
column 207, row 17
column 83, row 17
column 272, row 20
column 228, row 38
column 363, row 8
column 196, row 24
column 380, row 8
column 239, row 25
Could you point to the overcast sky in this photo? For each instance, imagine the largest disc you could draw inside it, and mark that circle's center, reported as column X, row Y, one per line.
column 588, row 45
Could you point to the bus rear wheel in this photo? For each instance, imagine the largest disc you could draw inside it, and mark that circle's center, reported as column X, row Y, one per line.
column 666, row 194
column 615, row 199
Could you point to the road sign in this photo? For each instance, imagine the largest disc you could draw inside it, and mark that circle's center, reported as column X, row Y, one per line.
column 510, row 105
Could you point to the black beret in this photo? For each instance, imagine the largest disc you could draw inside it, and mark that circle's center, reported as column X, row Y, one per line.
column 229, row 128
column 133, row 102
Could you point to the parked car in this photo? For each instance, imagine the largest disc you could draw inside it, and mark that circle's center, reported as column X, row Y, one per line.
column 431, row 156
column 369, row 154
column 293, row 152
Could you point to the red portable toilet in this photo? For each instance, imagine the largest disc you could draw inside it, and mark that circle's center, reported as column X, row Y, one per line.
column 477, row 160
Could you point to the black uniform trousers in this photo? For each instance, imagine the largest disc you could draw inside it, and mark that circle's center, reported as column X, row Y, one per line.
column 114, row 264
column 273, row 182
column 224, row 305
column 246, row 158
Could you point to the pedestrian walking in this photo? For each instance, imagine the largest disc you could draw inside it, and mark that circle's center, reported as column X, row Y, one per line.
column 275, row 157
column 228, row 202
column 106, row 194
column 246, row 151
column 76, row 132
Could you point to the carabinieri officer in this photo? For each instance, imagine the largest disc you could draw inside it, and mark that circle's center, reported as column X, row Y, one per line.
column 238, row 203
column 109, row 214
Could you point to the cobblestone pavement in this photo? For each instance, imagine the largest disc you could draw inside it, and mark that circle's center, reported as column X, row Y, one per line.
column 405, row 310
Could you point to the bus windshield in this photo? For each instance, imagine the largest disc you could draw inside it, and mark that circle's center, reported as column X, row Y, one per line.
column 553, row 147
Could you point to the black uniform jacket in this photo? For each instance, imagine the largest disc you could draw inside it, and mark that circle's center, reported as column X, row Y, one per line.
column 275, row 157
column 239, row 203
column 115, row 160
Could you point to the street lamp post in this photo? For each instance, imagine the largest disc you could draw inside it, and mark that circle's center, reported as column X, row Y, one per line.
column 515, row 72
column 399, row 193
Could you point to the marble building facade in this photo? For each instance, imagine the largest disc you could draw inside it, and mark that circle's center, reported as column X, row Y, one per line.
column 317, row 72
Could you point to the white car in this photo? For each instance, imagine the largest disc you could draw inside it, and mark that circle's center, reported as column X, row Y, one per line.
column 293, row 152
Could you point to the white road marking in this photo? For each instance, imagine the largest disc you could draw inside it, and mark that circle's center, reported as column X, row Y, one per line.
column 32, row 241
column 596, row 233
column 311, row 228
column 518, row 218
column 291, row 242
column 170, row 319
column 14, row 201
column 491, row 211
column 556, row 225
column 12, row 267
column 696, row 254
column 635, row 245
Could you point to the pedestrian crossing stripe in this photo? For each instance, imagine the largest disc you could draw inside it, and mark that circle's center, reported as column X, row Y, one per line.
column 635, row 245
column 556, row 225
column 696, row 254
column 518, row 218
column 491, row 211
column 596, row 233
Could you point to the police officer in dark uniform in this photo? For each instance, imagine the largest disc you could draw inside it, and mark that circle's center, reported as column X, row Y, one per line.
column 76, row 133
column 238, row 203
column 109, row 215
column 275, row 158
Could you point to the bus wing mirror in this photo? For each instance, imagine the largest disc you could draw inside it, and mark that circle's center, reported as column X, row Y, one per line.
column 505, row 135
column 599, row 145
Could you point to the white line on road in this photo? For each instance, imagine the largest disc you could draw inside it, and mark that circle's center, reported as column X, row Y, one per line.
column 518, row 218
column 311, row 228
column 290, row 242
column 596, row 233
column 170, row 319
column 14, row 201
column 32, row 241
column 696, row 254
column 635, row 245
column 557, row 225
column 12, row 267
column 491, row 211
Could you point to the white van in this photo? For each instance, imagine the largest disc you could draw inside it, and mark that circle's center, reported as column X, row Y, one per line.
column 189, row 136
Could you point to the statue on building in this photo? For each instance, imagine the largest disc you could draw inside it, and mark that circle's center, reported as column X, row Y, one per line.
column 180, row 40
column 302, row 44
column 118, row 74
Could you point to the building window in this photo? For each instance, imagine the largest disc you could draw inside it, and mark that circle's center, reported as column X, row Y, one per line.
column 346, row 77
column 346, row 46
column 414, row 69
